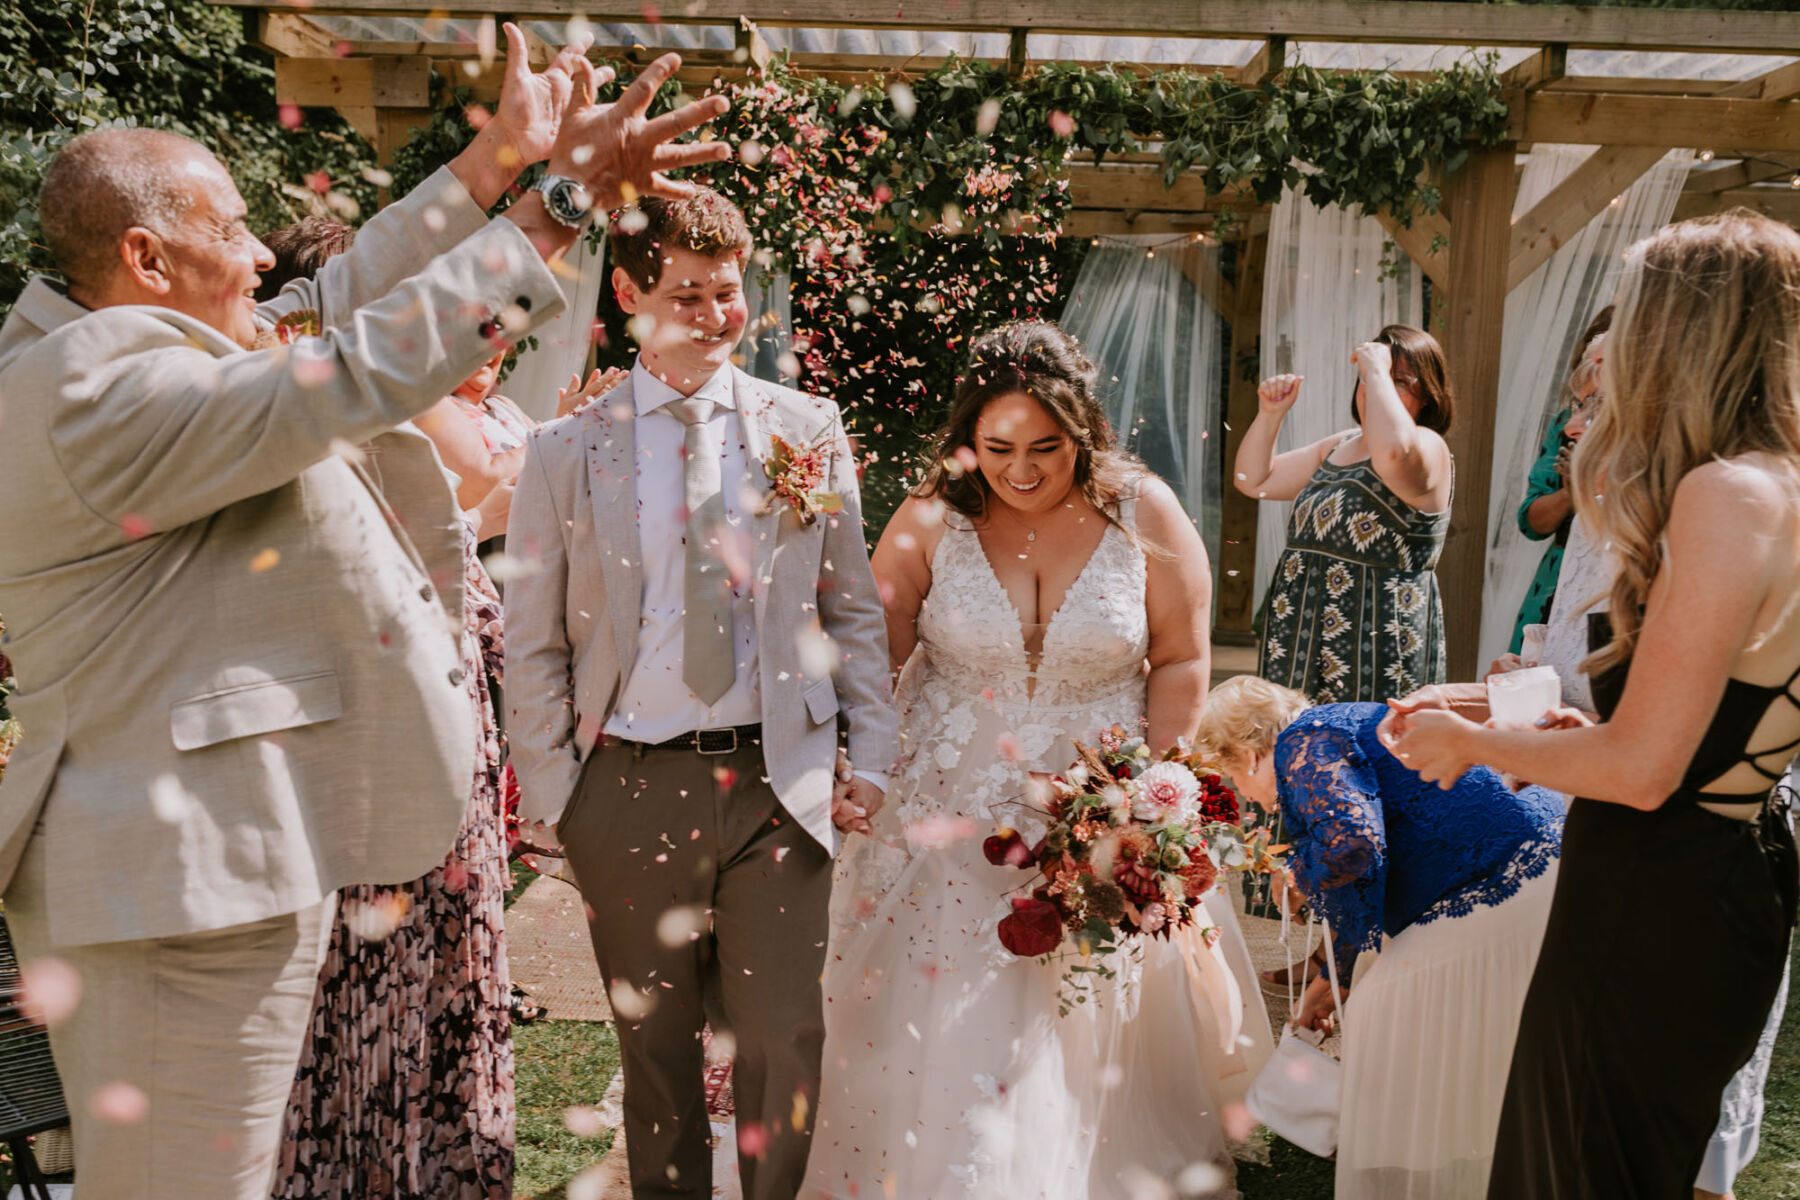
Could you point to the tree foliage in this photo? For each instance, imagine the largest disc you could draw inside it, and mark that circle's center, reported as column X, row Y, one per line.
column 67, row 66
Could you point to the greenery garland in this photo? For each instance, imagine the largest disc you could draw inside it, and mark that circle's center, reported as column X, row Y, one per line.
column 857, row 191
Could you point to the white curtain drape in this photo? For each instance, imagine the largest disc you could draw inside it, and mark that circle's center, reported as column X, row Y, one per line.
column 565, row 340
column 1323, row 294
column 1545, row 315
column 1157, row 341
column 768, row 335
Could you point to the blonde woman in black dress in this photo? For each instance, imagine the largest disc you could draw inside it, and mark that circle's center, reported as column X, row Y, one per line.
column 1681, row 839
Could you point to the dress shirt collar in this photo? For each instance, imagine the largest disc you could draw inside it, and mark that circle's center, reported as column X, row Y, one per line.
column 648, row 393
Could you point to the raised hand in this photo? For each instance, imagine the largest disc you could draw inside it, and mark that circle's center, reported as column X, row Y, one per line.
column 579, row 394
column 1373, row 358
column 619, row 154
column 532, row 105
column 1277, row 393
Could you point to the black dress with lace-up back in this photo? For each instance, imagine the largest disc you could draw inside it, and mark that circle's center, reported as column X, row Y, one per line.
column 1620, row 1061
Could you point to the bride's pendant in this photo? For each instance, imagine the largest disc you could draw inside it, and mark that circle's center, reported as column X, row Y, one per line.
column 1031, row 535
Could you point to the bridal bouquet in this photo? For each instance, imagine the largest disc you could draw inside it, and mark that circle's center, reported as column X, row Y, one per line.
column 1132, row 847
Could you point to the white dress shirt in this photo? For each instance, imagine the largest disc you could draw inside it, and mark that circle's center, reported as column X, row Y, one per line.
column 655, row 704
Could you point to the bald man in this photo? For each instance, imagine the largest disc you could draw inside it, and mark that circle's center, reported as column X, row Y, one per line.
column 234, row 635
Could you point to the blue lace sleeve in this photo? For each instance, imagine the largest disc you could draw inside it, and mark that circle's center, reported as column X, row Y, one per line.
column 1334, row 823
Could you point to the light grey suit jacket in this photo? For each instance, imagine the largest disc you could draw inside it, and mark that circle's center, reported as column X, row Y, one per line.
column 572, row 614
column 237, row 647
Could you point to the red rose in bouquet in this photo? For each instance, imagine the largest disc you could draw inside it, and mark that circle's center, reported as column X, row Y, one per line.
column 1033, row 928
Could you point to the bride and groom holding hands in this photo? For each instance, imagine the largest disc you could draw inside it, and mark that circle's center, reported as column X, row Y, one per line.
column 698, row 619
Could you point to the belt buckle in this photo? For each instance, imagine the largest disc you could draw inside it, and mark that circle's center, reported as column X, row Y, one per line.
column 715, row 741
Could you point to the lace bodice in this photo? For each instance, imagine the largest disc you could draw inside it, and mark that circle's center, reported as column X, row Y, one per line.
column 1093, row 647
column 976, row 716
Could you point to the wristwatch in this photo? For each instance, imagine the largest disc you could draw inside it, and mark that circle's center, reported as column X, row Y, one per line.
column 566, row 201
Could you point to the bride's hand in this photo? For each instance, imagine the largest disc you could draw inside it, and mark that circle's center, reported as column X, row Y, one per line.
column 1277, row 393
column 1318, row 1007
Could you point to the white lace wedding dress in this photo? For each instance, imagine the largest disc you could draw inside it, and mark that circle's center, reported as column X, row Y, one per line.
column 948, row 1071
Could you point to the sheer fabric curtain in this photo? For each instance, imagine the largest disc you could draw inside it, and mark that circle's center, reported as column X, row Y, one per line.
column 1324, row 293
column 1141, row 317
column 563, row 341
column 768, row 334
column 1545, row 316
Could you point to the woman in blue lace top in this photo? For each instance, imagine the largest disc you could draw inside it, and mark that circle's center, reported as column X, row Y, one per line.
column 1454, row 891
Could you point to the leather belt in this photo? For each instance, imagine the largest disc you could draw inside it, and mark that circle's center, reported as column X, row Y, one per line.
column 710, row 741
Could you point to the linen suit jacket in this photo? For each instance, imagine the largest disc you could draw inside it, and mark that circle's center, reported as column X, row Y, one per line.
column 235, row 635
column 574, row 608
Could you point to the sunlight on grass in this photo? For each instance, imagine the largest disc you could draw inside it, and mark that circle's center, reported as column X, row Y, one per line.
column 560, row 1064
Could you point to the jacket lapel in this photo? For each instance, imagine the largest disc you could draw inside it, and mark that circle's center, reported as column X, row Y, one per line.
column 612, row 486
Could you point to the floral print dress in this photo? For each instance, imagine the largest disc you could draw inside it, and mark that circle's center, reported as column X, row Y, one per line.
column 1353, row 609
column 405, row 1083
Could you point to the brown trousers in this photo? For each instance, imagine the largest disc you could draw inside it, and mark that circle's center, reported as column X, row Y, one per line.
column 704, row 897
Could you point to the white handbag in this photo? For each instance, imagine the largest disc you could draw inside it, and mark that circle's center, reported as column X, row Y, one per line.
column 1296, row 1092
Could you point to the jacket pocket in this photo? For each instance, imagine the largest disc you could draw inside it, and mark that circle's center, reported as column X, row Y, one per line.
column 821, row 701
column 254, row 709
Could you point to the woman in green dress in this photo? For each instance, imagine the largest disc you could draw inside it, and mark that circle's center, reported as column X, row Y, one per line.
column 1548, row 509
column 1353, row 609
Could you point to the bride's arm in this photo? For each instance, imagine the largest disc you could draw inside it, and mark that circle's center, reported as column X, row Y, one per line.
column 902, row 565
column 1178, row 602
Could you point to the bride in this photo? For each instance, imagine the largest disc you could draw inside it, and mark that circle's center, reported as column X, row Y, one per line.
column 1039, row 588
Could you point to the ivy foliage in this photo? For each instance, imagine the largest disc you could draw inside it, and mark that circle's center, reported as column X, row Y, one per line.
column 67, row 66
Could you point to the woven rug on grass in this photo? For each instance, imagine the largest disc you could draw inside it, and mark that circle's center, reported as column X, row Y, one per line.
column 550, row 955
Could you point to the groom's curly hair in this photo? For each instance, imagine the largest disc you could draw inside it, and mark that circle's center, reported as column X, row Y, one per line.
column 1040, row 359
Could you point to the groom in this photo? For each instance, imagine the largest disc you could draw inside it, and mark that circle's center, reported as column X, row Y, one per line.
column 680, row 657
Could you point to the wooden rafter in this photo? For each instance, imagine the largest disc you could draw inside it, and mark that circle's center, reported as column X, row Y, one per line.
column 1612, row 120
column 1264, row 65
column 1542, row 69
column 1419, row 21
column 1426, row 241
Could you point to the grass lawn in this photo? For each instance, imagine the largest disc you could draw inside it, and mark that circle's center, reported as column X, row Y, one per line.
column 562, row 1063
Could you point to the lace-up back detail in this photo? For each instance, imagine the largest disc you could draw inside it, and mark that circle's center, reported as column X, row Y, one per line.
column 1093, row 647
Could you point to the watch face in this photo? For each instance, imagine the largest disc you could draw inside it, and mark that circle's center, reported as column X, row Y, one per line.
column 567, row 201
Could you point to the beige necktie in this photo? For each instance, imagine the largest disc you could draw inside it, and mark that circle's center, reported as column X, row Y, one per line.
column 706, row 654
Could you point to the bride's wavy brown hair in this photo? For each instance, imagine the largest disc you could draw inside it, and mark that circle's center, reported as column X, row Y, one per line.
column 1702, row 363
column 1041, row 360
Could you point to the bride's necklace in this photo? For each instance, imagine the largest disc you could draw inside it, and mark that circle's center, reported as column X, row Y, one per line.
column 1031, row 532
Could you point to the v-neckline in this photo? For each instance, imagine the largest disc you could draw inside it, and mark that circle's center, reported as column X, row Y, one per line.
column 1050, row 624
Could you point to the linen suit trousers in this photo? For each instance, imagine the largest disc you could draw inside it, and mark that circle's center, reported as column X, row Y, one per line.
column 179, row 1055
column 704, row 896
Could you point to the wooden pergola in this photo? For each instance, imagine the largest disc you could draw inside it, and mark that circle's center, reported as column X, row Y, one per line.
column 371, row 60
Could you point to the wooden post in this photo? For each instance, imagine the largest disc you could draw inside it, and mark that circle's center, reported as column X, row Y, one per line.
column 1480, row 200
column 1235, row 605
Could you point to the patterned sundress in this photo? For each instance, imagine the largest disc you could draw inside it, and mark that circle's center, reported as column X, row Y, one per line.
column 1353, row 608
column 405, row 1084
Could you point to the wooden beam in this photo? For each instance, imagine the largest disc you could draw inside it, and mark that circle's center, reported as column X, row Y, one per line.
column 394, row 128
column 1612, row 169
column 1780, row 202
column 1428, row 230
column 291, row 35
column 387, row 81
column 1425, row 21
column 1571, row 204
column 752, row 48
column 1017, row 52
column 1234, row 608
column 1739, row 174
column 1610, row 120
column 1268, row 62
column 1639, row 85
column 1141, row 188
column 1480, row 200
column 1542, row 69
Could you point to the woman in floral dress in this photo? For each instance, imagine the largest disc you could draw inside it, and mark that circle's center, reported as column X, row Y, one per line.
column 405, row 1083
column 1353, row 609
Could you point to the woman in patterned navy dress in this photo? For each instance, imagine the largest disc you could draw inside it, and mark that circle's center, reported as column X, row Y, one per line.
column 1353, row 609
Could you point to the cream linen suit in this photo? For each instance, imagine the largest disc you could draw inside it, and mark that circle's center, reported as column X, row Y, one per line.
column 572, row 618
column 237, row 659
column 741, row 841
